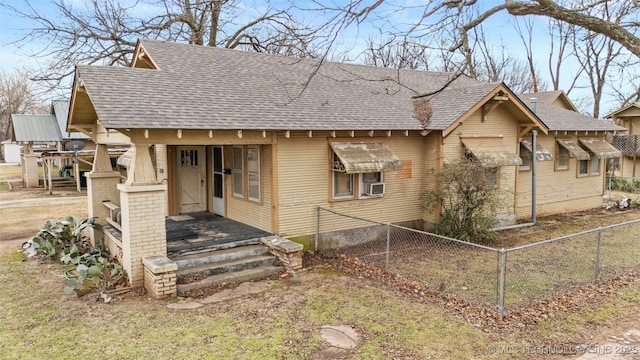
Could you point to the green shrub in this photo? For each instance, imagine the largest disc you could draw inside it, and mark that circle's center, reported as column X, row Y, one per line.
column 86, row 267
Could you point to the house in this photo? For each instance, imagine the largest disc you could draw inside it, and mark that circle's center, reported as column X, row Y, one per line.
column 571, row 158
column 629, row 143
column 265, row 140
column 43, row 133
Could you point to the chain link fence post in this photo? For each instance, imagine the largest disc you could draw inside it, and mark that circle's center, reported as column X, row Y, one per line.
column 317, row 228
column 502, row 264
column 598, row 242
column 386, row 263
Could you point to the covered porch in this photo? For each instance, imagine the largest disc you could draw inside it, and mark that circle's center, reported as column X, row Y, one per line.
column 199, row 232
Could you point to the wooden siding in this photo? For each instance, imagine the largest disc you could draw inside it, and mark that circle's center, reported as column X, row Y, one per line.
column 558, row 190
column 627, row 168
column 257, row 214
column 304, row 183
column 498, row 123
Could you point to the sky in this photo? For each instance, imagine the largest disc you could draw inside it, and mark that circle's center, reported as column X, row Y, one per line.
column 499, row 28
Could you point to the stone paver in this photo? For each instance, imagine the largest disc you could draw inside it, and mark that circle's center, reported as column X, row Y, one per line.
column 244, row 289
column 340, row 336
column 622, row 347
column 185, row 305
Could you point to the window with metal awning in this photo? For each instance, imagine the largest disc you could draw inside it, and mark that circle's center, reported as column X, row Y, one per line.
column 355, row 158
column 542, row 154
column 574, row 149
column 491, row 152
column 600, row 148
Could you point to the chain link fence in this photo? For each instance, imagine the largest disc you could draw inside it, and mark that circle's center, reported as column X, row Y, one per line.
column 507, row 279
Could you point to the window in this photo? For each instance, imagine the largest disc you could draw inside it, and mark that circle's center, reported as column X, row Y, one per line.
column 491, row 177
column 595, row 166
column 189, row 158
column 344, row 184
column 562, row 162
column 253, row 172
column 246, row 176
column 238, row 171
column 583, row 168
column 525, row 155
column 589, row 167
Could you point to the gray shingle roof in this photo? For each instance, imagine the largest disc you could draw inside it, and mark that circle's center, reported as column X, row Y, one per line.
column 559, row 119
column 546, row 97
column 211, row 88
column 35, row 128
column 198, row 87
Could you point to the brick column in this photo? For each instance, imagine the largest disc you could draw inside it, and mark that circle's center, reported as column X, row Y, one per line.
column 101, row 187
column 102, row 184
column 143, row 227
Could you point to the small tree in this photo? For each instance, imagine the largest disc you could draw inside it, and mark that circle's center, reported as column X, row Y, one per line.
column 468, row 199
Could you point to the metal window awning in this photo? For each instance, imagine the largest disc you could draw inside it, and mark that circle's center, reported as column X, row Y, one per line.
column 492, row 152
column 124, row 160
column 542, row 154
column 601, row 148
column 365, row 157
column 574, row 149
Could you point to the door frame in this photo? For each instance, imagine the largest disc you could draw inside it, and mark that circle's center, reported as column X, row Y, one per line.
column 202, row 171
column 218, row 207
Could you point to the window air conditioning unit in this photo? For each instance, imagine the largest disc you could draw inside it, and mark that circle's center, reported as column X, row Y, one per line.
column 375, row 189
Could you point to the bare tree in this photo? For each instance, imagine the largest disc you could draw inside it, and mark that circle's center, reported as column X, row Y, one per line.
column 105, row 32
column 598, row 55
column 400, row 54
column 498, row 64
column 16, row 97
column 560, row 34
column 482, row 61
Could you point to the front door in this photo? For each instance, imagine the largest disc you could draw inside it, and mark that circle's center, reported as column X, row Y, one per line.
column 192, row 178
column 218, row 181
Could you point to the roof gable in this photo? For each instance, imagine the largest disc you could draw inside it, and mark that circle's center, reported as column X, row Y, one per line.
column 629, row 110
column 556, row 97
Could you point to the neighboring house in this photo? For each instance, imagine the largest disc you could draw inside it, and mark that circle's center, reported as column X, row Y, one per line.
column 38, row 133
column 266, row 139
column 629, row 143
column 10, row 151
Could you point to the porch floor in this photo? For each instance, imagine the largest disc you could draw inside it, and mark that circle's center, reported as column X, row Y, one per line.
column 201, row 231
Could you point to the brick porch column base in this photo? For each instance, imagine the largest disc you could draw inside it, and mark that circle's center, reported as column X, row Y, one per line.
column 143, row 227
column 160, row 277
column 288, row 252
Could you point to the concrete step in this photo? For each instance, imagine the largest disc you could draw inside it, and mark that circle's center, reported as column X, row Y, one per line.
column 193, row 260
column 236, row 276
column 174, row 251
column 225, row 266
